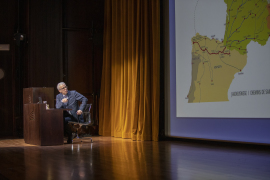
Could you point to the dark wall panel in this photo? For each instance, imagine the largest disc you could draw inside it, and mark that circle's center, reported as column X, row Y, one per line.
column 83, row 23
column 8, row 16
column 45, row 43
column 83, row 13
column 79, row 52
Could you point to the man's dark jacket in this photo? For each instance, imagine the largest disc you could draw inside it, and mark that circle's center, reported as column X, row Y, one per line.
column 73, row 98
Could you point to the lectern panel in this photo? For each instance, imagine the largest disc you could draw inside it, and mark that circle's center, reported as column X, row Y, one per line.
column 32, row 124
column 31, row 95
column 52, row 127
column 41, row 126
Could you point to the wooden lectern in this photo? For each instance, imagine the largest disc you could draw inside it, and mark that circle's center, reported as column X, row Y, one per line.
column 42, row 126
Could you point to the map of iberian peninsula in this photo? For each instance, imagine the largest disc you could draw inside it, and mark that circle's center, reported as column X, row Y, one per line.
column 215, row 62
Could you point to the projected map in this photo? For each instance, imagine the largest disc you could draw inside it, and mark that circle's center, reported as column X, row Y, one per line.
column 216, row 61
column 222, row 58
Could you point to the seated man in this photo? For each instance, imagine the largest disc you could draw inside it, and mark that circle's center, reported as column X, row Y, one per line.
column 69, row 99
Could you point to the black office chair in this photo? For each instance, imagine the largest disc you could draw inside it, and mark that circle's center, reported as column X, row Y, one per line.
column 85, row 124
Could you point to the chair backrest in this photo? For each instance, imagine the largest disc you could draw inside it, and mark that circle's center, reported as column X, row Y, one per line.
column 87, row 114
column 87, row 108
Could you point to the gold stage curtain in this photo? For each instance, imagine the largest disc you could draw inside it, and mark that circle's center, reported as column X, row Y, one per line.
column 130, row 87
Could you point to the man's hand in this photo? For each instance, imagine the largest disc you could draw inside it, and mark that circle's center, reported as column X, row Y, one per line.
column 79, row 112
column 65, row 100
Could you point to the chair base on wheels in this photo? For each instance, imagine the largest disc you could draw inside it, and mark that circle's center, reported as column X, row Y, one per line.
column 83, row 129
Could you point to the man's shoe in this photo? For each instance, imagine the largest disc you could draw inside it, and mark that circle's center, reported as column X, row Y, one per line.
column 71, row 137
column 69, row 141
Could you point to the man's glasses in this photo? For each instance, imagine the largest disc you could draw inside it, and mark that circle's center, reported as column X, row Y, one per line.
column 63, row 88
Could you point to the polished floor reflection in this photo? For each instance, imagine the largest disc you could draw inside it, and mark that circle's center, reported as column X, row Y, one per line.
column 115, row 158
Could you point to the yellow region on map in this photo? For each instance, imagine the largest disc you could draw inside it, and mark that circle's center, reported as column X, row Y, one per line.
column 215, row 62
column 213, row 69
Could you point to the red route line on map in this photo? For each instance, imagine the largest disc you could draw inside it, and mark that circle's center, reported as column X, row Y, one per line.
column 212, row 53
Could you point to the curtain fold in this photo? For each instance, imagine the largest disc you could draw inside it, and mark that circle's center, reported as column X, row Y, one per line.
column 130, row 88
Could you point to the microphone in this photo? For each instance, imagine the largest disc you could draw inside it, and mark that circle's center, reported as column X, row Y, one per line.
column 40, row 100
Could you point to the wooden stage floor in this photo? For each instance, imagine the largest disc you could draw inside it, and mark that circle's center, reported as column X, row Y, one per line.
column 115, row 158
